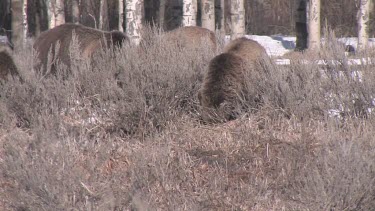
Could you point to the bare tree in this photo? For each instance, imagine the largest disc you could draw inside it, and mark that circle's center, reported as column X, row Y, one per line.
column 208, row 14
column 24, row 22
column 219, row 15
column 18, row 19
column 75, row 10
column 363, row 22
column 189, row 12
column 222, row 16
column 121, row 15
column 56, row 15
column 103, row 15
column 162, row 4
column 237, row 10
column 134, row 16
column 314, row 25
column 301, row 25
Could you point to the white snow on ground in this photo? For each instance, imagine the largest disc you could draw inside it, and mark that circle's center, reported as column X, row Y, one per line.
column 278, row 45
column 275, row 45
column 4, row 40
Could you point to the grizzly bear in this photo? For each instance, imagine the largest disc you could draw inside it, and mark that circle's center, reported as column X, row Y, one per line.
column 225, row 89
column 7, row 65
column 192, row 36
column 90, row 41
column 188, row 37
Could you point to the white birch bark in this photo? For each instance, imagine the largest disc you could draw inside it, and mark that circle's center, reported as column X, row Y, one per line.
column 208, row 14
column 17, row 22
column 237, row 10
column 121, row 15
column 314, row 25
column 51, row 15
column 59, row 12
column 363, row 21
column 24, row 22
column 56, row 14
column 134, row 16
column 189, row 13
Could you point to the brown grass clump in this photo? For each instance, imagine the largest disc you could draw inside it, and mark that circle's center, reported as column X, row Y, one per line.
column 124, row 134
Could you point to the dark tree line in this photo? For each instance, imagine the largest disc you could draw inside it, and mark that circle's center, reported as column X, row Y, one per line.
column 263, row 17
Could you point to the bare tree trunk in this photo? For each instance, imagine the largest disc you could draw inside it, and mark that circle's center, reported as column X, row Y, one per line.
column 222, row 16
column 17, row 22
column 237, row 10
column 314, row 25
column 56, row 15
column 51, row 16
column 219, row 15
column 24, row 22
column 189, row 13
column 301, row 25
column 162, row 13
column 103, row 15
column 134, row 16
column 208, row 14
column 75, row 10
column 121, row 15
column 59, row 12
column 363, row 22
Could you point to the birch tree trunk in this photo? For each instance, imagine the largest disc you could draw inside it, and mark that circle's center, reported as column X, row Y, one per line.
column 75, row 10
column 301, row 25
column 189, row 13
column 59, row 12
column 208, row 14
column 17, row 22
column 56, row 15
column 314, row 25
column 134, row 16
column 162, row 13
column 363, row 22
column 103, row 15
column 24, row 22
column 237, row 10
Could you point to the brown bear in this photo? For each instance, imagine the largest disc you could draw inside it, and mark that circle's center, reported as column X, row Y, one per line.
column 188, row 37
column 90, row 41
column 224, row 88
column 7, row 65
column 192, row 36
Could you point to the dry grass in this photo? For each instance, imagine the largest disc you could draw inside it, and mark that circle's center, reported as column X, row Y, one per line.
column 123, row 133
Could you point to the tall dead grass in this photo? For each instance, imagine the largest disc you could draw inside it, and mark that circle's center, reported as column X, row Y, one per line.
column 123, row 133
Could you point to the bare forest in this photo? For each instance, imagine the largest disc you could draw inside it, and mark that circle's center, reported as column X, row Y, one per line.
column 109, row 115
column 263, row 17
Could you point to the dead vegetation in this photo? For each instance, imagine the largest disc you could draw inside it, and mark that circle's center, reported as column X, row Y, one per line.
column 125, row 134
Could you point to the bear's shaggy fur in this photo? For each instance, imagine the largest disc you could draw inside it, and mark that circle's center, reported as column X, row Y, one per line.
column 7, row 65
column 192, row 36
column 224, row 86
column 90, row 40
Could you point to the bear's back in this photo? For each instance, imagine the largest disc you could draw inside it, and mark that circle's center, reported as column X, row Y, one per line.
column 192, row 36
column 246, row 48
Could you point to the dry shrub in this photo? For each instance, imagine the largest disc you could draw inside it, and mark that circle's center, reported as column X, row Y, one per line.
column 122, row 134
